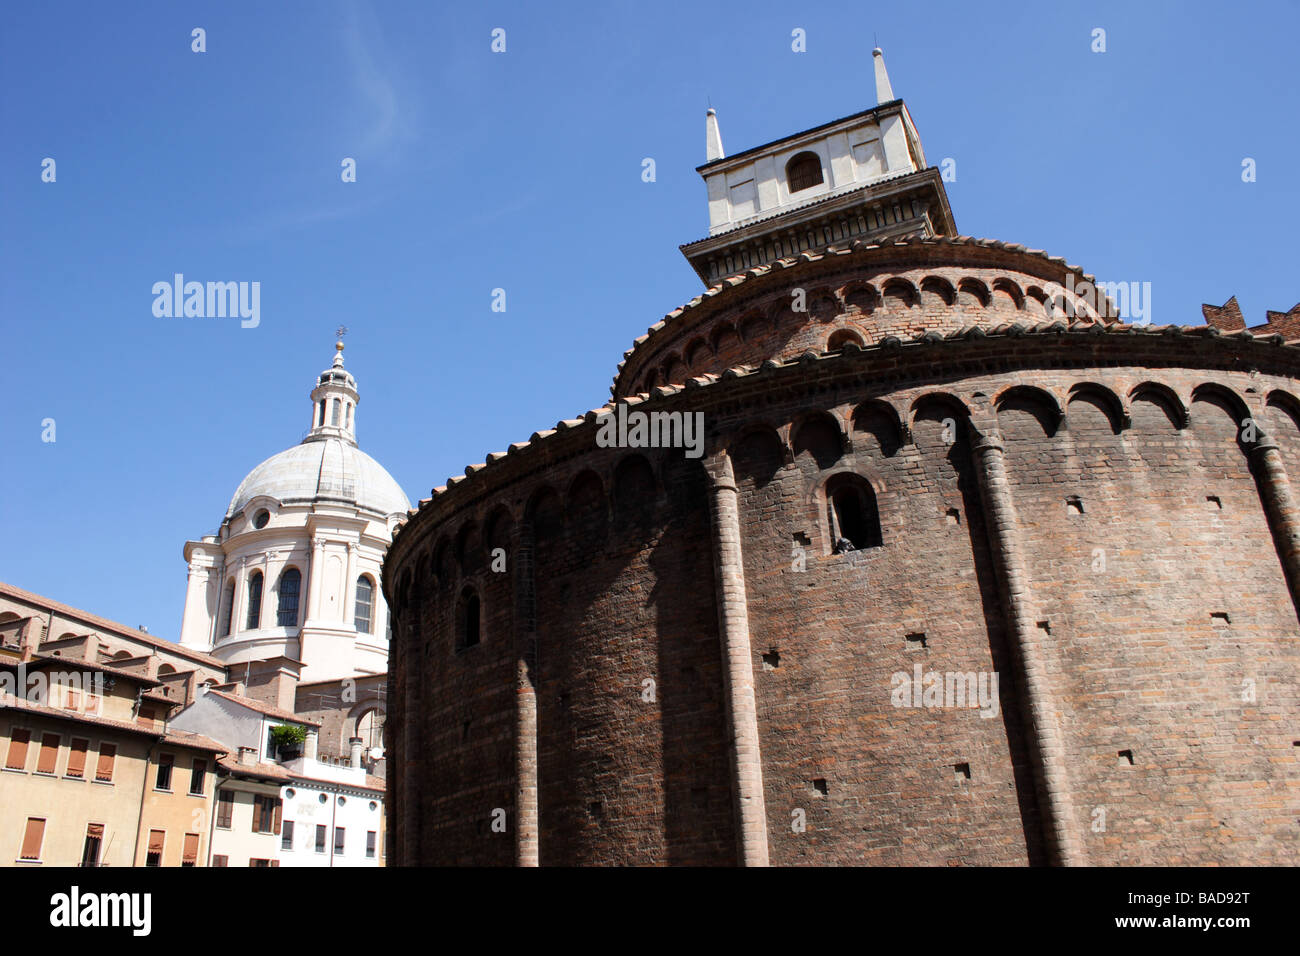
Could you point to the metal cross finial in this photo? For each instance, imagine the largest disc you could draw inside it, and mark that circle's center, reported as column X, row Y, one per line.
column 341, row 331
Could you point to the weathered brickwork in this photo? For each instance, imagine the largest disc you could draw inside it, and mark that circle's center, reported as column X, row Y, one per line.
column 1101, row 515
column 911, row 288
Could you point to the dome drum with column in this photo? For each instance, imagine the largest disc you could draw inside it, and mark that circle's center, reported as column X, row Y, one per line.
column 294, row 569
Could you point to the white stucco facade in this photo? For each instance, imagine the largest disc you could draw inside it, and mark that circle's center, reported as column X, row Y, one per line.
column 853, row 152
column 299, row 549
column 336, row 817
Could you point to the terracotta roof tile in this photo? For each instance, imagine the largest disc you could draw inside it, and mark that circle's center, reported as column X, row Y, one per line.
column 262, row 771
column 104, row 624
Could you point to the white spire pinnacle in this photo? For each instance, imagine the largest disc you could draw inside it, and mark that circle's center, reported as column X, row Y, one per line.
column 884, row 92
column 713, row 138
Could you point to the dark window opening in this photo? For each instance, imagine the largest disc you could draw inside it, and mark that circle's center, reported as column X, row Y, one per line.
column 227, row 610
column 804, row 172
column 853, row 515
column 290, row 585
column 469, row 632
column 364, row 604
column 254, row 619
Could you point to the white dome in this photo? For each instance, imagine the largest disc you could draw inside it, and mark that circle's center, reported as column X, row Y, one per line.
column 323, row 468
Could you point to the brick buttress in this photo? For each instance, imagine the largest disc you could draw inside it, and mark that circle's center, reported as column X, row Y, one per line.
column 1047, row 749
column 737, row 664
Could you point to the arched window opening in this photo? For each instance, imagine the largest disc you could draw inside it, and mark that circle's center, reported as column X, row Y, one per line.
column 227, row 610
column 322, row 412
column 364, row 615
column 852, row 514
column 254, row 619
column 290, row 586
column 841, row 338
column 349, row 414
column 334, row 411
column 370, row 728
column 468, row 631
column 804, row 172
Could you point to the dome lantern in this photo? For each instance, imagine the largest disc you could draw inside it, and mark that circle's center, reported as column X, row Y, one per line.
column 334, row 402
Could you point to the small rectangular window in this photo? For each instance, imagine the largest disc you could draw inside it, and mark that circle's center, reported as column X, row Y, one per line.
column 371, row 836
column 90, row 849
column 18, row 741
column 320, row 838
column 164, row 778
column 49, row 755
column 225, row 809
column 198, row 778
column 77, row 757
column 220, row 859
column 286, row 836
column 191, row 854
column 157, row 838
column 104, row 769
column 33, row 837
column 338, row 839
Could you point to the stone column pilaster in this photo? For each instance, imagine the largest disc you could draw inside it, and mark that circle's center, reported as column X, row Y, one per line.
column 314, row 582
column 348, row 597
column 1280, row 509
column 413, row 656
column 237, row 615
column 1046, row 744
column 527, row 822
column 737, row 664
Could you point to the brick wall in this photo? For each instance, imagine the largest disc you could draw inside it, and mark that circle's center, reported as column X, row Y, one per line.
column 1120, row 442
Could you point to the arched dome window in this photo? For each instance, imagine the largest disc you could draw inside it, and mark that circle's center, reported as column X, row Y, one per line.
column 365, row 605
column 227, row 610
column 254, row 618
column 286, row 614
column 852, row 513
column 334, row 411
column 804, row 172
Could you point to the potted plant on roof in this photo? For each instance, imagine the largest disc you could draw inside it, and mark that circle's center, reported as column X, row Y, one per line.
column 288, row 740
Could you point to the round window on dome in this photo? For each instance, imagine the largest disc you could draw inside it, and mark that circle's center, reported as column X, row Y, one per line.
column 261, row 518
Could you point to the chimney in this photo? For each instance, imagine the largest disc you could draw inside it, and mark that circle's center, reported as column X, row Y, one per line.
column 310, row 745
column 356, row 751
column 248, row 756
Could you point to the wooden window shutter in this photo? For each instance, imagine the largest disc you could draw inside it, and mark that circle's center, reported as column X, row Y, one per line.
column 191, row 848
column 257, row 813
column 49, row 755
column 275, row 863
column 77, row 757
column 74, row 699
column 95, row 830
column 33, row 836
column 225, row 809
column 156, row 840
column 104, row 769
column 17, row 759
column 279, row 808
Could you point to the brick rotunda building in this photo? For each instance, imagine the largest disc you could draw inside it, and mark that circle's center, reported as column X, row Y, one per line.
column 922, row 455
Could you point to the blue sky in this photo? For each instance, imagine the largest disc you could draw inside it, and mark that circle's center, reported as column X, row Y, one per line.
column 522, row 171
